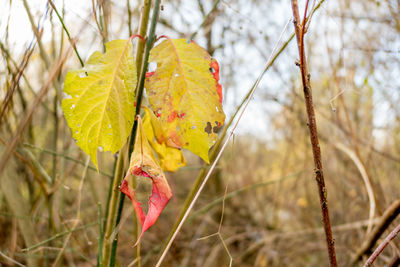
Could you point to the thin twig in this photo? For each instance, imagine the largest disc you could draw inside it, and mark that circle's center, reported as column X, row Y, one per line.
column 387, row 218
column 18, row 70
column 214, row 7
column 218, row 233
column 15, row 80
column 11, row 260
column 312, row 126
column 382, row 246
column 38, row 35
column 99, row 25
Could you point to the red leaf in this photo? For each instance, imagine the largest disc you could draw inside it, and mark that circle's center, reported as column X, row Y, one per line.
column 143, row 164
column 215, row 67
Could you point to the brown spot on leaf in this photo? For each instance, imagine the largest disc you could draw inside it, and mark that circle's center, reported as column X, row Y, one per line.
column 217, row 127
column 208, row 128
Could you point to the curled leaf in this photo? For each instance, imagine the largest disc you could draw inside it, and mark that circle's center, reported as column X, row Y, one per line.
column 144, row 164
column 99, row 99
column 186, row 95
column 171, row 158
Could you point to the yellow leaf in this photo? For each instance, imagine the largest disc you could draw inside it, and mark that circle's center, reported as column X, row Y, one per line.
column 186, row 95
column 171, row 159
column 144, row 164
column 99, row 103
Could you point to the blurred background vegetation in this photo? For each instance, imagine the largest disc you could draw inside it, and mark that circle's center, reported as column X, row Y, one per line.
column 50, row 194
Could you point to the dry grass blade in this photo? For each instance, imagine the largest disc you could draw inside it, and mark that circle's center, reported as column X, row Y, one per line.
column 29, row 113
column 78, row 214
column 271, row 213
column 15, row 80
column 366, row 180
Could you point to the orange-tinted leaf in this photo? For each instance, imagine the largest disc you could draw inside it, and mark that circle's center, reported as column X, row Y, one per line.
column 144, row 164
column 171, row 158
column 185, row 93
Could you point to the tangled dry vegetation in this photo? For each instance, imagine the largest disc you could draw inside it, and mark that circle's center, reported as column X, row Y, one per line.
column 261, row 206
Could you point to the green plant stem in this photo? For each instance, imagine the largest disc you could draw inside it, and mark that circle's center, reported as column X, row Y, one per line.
column 117, row 221
column 143, row 62
column 118, row 175
column 113, row 216
column 109, row 194
column 144, row 18
column 67, row 157
column 66, row 32
column 128, row 7
column 104, row 221
column 144, row 21
column 58, row 236
column 103, row 24
column 100, row 245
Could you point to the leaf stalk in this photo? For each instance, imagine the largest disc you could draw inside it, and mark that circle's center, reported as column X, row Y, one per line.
column 116, row 197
